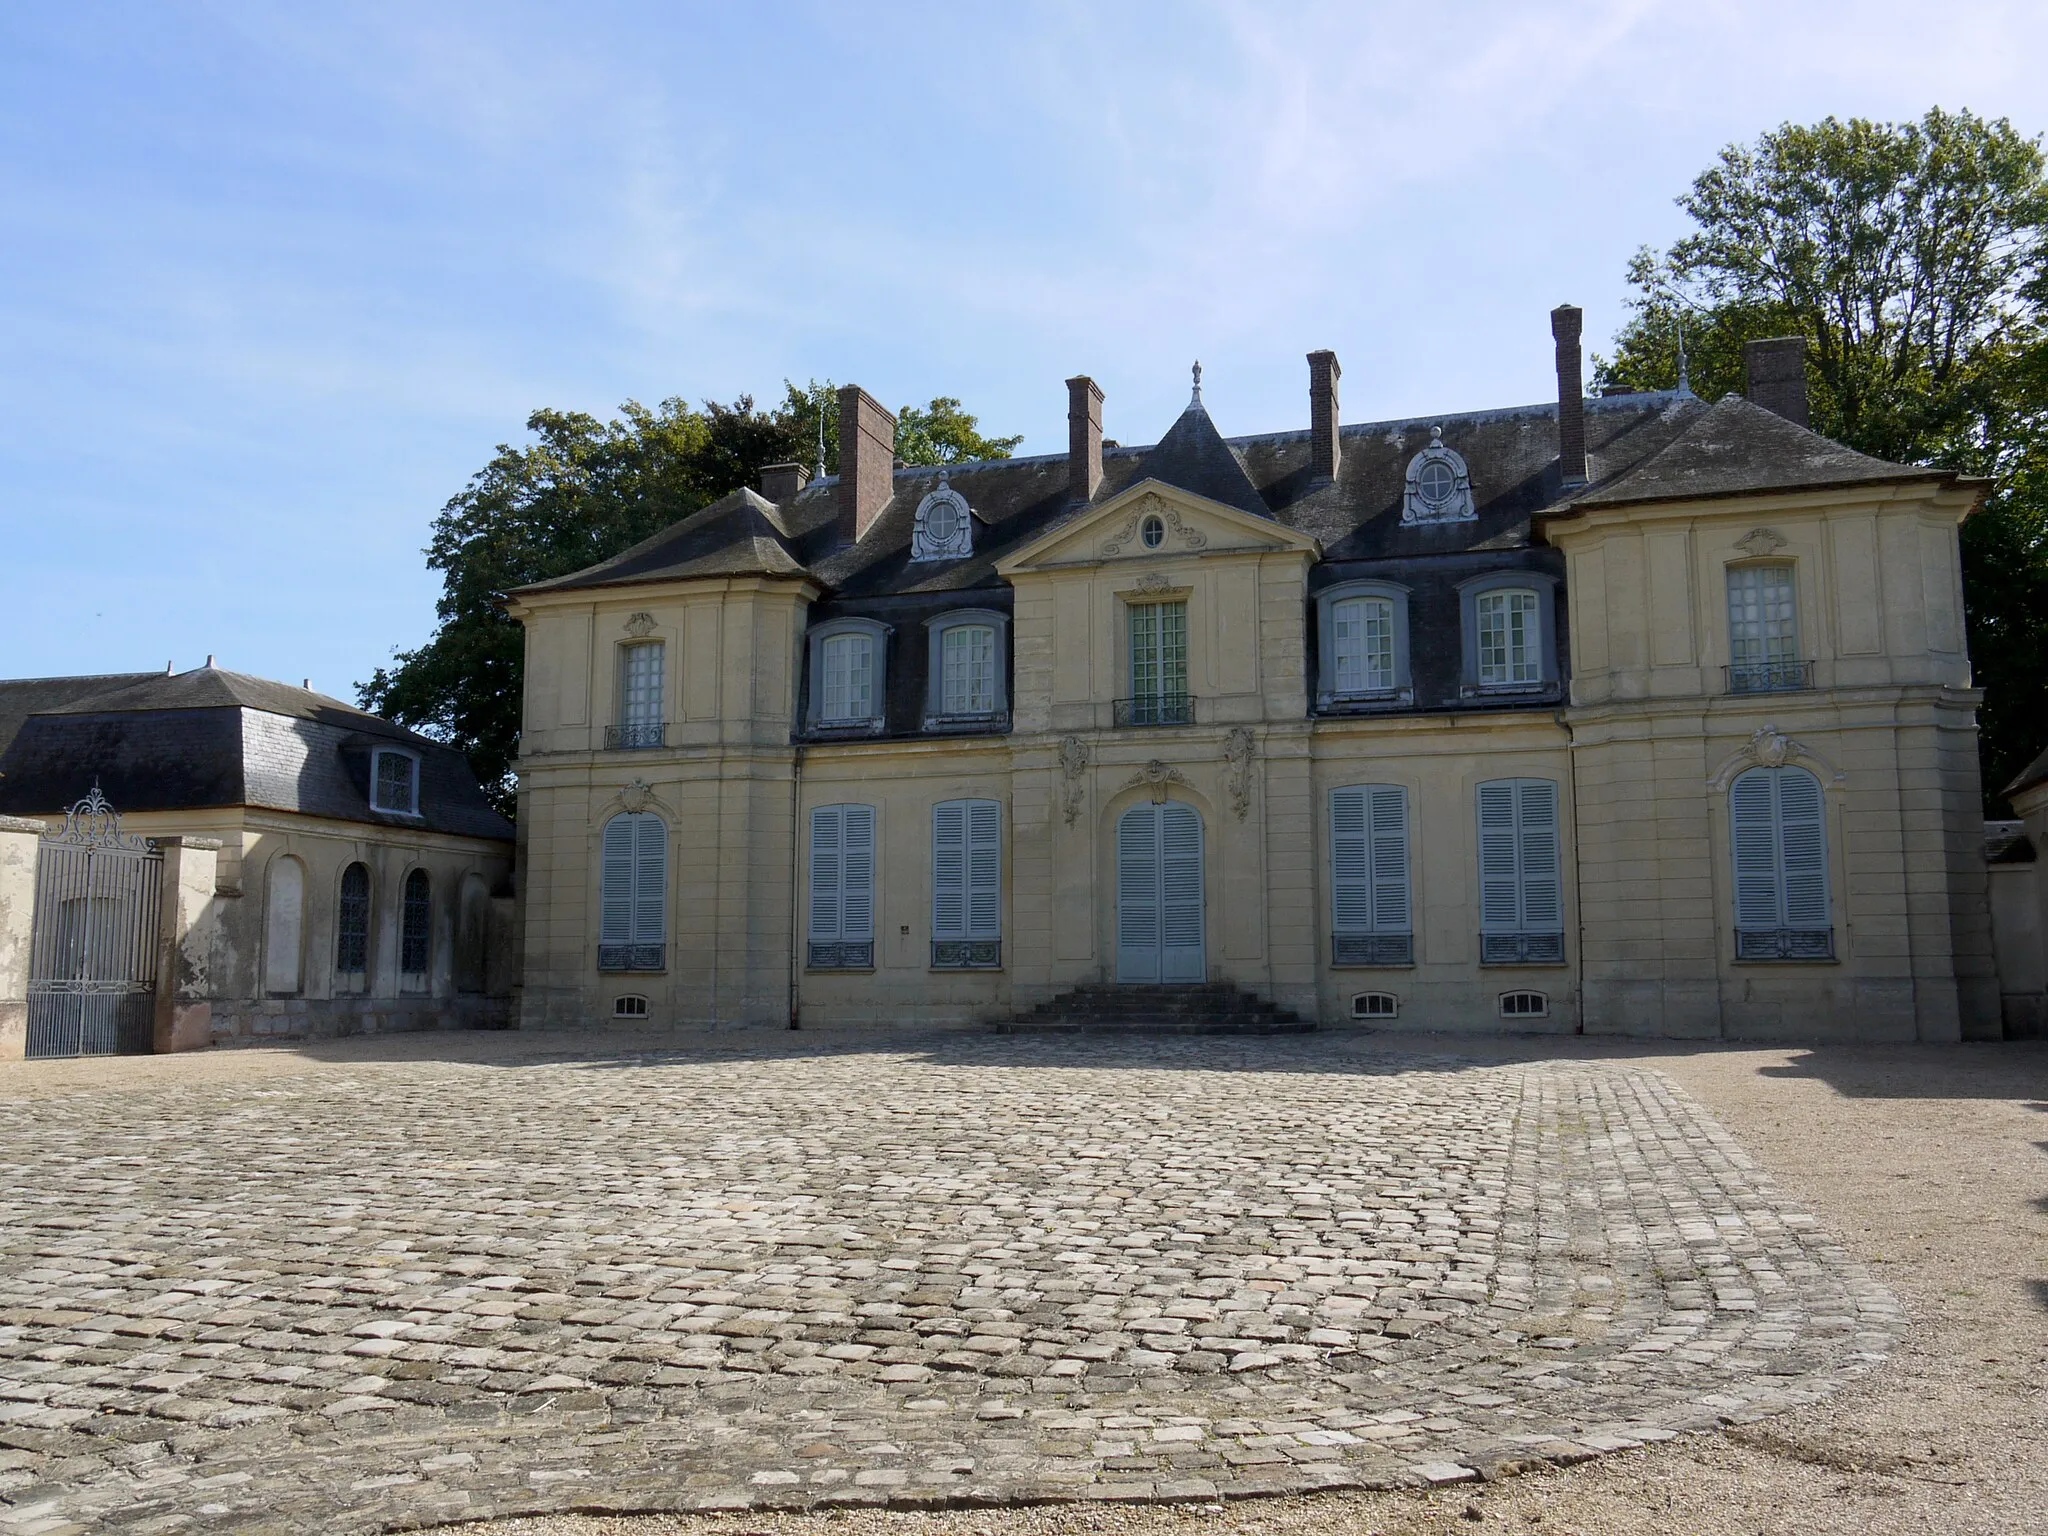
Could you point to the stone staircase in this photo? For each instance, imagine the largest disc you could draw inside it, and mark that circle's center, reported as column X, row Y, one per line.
column 1190, row 1008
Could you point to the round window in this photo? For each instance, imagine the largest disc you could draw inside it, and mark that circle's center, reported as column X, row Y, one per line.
column 1153, row 532
column 942, row 523
column 1436, row 482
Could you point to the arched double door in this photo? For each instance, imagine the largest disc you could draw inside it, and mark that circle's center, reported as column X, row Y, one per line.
column 1159, row 907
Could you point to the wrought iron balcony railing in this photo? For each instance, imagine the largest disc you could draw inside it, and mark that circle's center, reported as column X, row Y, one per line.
column 641, row 733
column 1769, row 676
column 1785, row 944
column 843, row 955
column 967, row 954
column 1156, row 709
column 632, row 957
column 1372, row 948
column 1521, row 949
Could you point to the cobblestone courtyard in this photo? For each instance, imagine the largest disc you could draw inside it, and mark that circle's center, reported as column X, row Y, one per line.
column 388, row 1293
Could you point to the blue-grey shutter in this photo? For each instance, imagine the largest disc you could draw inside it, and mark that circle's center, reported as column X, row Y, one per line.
column 1803, row 844
column 1753, row 821
column 857, row 875
column 1387, row 816
column 949, row 870
column 650, row 880
column 1180, row 867
column 825, row 874
column 1500, row 865
column 1536, row 827
column 1137, row 894
column 615, row 883
column 984, row 869
column 1351, row 882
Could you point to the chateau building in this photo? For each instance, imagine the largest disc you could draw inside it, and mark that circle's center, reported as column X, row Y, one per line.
column 1636, row 713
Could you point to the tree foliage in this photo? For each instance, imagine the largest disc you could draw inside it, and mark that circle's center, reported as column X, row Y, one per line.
column 579, row 491
column 1911, row 257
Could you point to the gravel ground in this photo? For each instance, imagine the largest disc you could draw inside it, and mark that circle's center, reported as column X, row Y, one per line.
column 1927, row 1161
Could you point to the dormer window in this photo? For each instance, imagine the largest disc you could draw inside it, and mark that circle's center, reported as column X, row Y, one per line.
column 945, row 525
column 1509, row 632
column 1439, row 485
column 848, row 674
column 395, row 782
column 1363, row 633
column 967, row 668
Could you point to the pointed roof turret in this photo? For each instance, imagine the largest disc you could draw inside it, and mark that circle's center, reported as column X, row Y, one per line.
column 1193, row 457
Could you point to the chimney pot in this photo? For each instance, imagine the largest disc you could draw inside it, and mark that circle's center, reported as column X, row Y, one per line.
column 1084, row 438
column 1567, row 321
column 1776, row 376
column 781, row 483
column 867, row 462
column 1325, row 452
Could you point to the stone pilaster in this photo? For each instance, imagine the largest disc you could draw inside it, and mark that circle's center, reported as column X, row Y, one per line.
column 184, row 993
column 17, row 924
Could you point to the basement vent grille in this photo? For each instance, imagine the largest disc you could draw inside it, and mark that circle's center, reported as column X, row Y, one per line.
column 630, row 1006
column 1524, row 1005
column 1375, row 1005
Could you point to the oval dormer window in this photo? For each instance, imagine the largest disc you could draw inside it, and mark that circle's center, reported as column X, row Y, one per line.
column 945, row 526
column 1152, row 532
column 1439, row 485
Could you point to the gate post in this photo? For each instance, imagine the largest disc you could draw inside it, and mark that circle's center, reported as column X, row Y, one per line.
column 184, row 1007
column 19, row 840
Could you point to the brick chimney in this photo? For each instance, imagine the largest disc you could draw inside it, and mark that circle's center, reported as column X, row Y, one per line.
column 1777, row 376
column 1324, row 451
column 1084, row 438
column 781, row 483
column 867, row 462
column 1566, row 322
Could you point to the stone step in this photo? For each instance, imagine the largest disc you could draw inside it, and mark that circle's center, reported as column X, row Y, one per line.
column 1158, row 1008
column 1081, row 1025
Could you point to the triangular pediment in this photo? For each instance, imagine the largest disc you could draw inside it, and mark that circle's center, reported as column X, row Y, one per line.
column 1190, row 525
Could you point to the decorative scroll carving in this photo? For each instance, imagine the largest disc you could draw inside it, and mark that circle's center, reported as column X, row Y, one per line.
column 1158, row 776
column 640, row 626
column 1073, row 771
column 1153, row 506
column 1771, row 747
column 1761, row 541
column 636, row 796
column 1153, row 581
column 1239, row 747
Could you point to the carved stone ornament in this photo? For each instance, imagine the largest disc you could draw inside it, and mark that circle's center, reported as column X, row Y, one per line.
column 1761, row 541
column 1073, row 768
column 640, row 626
column 1153, row 581
column 1439, row 488
column 1153, row 506
column 1771, row 747
column 1239, row 747
column 636, row 796
column 1158, row 776
column 944, row 529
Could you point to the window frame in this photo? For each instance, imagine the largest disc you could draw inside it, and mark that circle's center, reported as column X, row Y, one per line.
column 631, row 950
column 969, row 945
column 377, row 756
column 936, row 715
column 1374, row 943
column 1790, row 672
column 1784, row 941
column 1328, row 695
column 354, row 980
column 416, row 981
column 838, row 950
column 623, row 710
column 1159, row 603
column 1544, row 586
column 1522, row 942
column 877, row 634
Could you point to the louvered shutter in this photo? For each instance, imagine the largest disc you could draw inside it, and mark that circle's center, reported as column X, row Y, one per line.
column 1802, row 843
column 1753, row 818
column 1351, row 882
column 857, row 880
column 984, row 870
column 1180, row 866
column 949, row 870
column 650, row 880
column 615, row 882
column 1137, row 894
column 1387, row 811
column 1500, row 887
column 1542, row 891
column 826, row 833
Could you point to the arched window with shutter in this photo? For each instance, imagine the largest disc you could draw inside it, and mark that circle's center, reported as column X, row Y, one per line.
column 1521, row 885
column 632, row 930
column 967, row 885
column 842, row 927
column 1777, row 820
column 1370, row 903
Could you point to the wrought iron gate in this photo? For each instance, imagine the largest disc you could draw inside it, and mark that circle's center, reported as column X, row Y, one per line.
column 93, row 952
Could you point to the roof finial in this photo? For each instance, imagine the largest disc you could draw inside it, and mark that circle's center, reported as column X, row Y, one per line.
column 1196, row 402
column 1684, row 374
column 821, row 440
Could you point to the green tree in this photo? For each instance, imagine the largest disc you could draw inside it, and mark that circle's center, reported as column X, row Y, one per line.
column 1911, row 257
column 580, row 491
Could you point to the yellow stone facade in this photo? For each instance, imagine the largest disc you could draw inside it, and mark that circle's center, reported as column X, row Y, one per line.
column 1643, row 752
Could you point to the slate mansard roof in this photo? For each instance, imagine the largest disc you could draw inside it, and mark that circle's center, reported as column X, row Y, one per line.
column 206, row 738
column 1641, row 448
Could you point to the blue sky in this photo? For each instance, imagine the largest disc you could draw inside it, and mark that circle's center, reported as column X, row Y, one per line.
column 274, row 280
